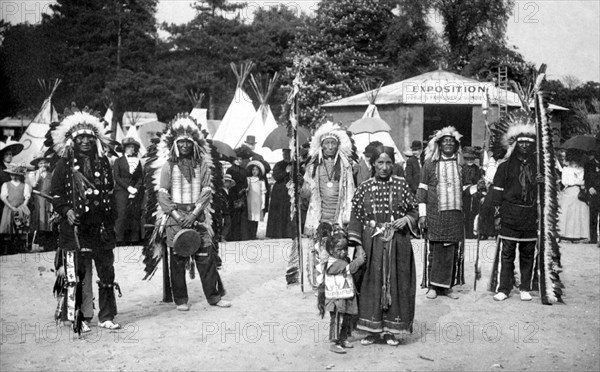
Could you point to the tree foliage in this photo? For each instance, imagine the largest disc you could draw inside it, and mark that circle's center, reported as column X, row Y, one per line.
column 110, row 48
column 331, row 63
column 467, row 23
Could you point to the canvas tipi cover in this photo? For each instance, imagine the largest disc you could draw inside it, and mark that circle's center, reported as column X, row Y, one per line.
column 133, row 133
column 263, row 122
column 361, row 140
column 240, row 113
column 35, row 134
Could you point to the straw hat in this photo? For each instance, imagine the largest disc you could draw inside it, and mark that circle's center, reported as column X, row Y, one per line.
column 17, row 170
column 227, row 178
column 258, row 164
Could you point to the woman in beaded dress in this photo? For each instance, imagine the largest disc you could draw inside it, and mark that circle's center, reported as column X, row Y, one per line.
column 384, row 215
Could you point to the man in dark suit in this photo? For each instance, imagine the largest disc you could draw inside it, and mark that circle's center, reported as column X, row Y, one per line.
column 592, row 184
column 362, row 170
column 128, row 193
column 413, row 165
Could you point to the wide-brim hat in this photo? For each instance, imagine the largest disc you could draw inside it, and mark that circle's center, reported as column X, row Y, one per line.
column 130, row 141
column 17, row 170
column 227, row 178
column 39, row 157
column 468, row 152
column 416, row 145
column 13, row 146
column 258, row 164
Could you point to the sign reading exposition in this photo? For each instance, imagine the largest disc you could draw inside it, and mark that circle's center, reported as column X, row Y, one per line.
column 446, row 92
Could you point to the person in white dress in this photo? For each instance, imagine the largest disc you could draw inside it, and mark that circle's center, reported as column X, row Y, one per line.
column 255, row 196
column 574, row 218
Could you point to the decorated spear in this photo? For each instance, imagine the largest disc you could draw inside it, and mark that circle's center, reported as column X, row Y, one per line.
column 477, row 268
column 295, row 211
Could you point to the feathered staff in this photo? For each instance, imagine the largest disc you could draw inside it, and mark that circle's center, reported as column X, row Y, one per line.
column 549, row 265
column 295, row 211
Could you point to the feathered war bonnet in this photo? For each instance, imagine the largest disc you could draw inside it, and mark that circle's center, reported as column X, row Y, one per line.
column 333, row 131
column 76, row 123
column 432, row 152
column 183, row 127
column 520, row 128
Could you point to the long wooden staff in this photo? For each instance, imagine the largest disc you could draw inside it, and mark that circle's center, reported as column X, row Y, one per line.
column 424, row 281
column 296, row 109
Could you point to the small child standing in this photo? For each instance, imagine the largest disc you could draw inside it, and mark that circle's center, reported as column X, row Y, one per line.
column 255, row 196
column 337, row 293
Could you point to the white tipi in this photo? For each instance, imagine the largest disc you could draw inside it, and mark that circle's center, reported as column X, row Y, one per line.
column 263, row 122
column 241, row 111
column 35, row 134
column 133, row 133
column 361, row 140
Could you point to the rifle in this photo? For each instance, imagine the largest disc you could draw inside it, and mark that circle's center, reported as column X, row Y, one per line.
column 424, row 281
column 477, row 264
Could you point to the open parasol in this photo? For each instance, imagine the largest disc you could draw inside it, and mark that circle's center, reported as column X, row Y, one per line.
column 582, row 142
column 369, row 125
column 223, row 149
column 278, row 138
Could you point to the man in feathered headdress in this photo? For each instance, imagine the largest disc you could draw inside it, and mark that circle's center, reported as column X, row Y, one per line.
column 514, row 191
column 82, row 187
column 185, row 196
column 328, row 181
column 440, row 214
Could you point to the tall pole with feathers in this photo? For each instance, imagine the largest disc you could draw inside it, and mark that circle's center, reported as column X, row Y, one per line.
column 549, row 265
column 295, row 210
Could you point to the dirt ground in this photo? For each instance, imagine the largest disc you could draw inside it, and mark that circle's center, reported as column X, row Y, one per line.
column 273, row 327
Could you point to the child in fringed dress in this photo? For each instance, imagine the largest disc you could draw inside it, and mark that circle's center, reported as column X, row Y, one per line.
column 337, row 292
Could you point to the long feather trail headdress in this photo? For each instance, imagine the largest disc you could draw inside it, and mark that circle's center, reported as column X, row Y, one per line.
column 551, row 263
